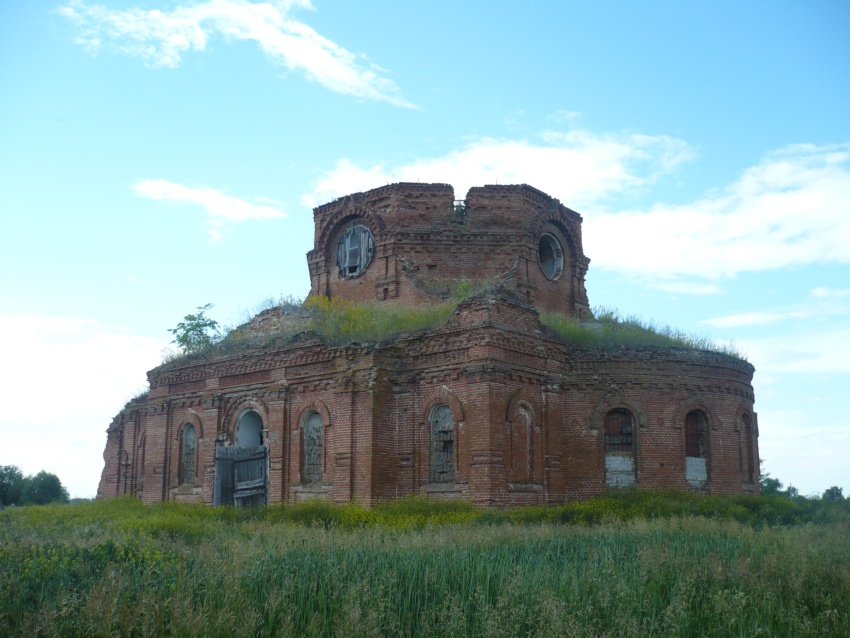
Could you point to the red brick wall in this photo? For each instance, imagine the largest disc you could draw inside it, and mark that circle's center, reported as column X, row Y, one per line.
column 528, row 409
column 423, row 247
column 497, row 369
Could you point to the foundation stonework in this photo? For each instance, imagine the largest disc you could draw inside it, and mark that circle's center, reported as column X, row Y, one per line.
column 492, row 407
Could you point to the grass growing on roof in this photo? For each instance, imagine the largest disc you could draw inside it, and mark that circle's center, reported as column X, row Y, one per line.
column 339, row 321
column 609, row 329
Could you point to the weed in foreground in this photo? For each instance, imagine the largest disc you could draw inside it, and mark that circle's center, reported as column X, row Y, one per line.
column 629, row 564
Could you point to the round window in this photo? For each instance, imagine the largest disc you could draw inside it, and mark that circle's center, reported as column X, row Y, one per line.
column 354, row 251
column 551, row 256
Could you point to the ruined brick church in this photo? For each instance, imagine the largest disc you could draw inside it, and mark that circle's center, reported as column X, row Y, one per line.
column 492, row 407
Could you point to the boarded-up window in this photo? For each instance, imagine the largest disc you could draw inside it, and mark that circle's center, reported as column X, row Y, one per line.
column 443, row 445
column 619, row 448
column 313, row 465
column 189, row 445
column 696, row 449
column 354, row 251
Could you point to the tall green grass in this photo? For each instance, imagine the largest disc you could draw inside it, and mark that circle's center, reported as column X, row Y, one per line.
column 338, row 321
column 418, row 568
column 610, row 330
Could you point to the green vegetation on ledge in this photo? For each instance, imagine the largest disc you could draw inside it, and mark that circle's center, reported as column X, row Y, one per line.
column 607, row 329
column 338, row 322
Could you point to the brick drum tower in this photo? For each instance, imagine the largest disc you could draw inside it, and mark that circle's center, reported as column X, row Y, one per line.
column 493, row 407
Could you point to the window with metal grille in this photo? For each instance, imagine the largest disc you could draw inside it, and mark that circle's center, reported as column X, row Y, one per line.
column 696, row 435
column 522, row 454
column 619, row 432
column 189, row 445
column 354, row 251
column 443, row 450
column 313, row 449
column 748, row 448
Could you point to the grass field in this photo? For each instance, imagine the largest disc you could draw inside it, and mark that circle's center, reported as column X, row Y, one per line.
column 633, row 564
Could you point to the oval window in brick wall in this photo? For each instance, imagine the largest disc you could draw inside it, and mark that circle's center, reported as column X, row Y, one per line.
column 354, row 251
column 551, row 256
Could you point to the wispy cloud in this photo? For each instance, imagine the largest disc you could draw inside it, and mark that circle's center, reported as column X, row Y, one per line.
column 798, row 445
column 788, row 210
column 822, row 351
column 563, row 115
column 791, row 209
column 160, row 38
column 688, row 287
column 578, row 166
column 830, row 293
column 825, row 304
column 219, row 206
column 754, row 318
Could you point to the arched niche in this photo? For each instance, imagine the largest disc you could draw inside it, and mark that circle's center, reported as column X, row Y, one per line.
column 249, row 429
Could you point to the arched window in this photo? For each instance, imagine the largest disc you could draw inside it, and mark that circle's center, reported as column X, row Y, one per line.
column 189, row 445
column 313, row 465
column 522, row 454
column 249, row 429
column 750, row 465
column 696, row 448
column 696, row 435
column 354, row 251
column 619, row 448
column 442, row 444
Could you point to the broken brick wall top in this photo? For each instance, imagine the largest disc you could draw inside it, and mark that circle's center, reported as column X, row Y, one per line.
column 413, row 243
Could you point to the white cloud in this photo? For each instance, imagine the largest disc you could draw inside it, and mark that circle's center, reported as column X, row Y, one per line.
column 827, row 304
column 818, row 349
column 804, row 447
column 563, row 115
column 688, row 287
column 160, row 38
column 219, row 206
column 754, row 318
column 68, row 378
column 789, row 210
column 579, row 167
column 830, row 293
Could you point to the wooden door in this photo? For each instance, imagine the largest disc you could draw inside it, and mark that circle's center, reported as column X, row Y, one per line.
column 241, row 476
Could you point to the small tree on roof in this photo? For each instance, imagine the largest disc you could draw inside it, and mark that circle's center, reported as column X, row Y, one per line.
column 196, row 332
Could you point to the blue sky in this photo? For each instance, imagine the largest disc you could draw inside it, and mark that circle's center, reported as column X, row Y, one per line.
column 157, row 156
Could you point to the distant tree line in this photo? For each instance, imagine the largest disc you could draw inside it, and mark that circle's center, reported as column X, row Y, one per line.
column 770, row 486
column 38, row 489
